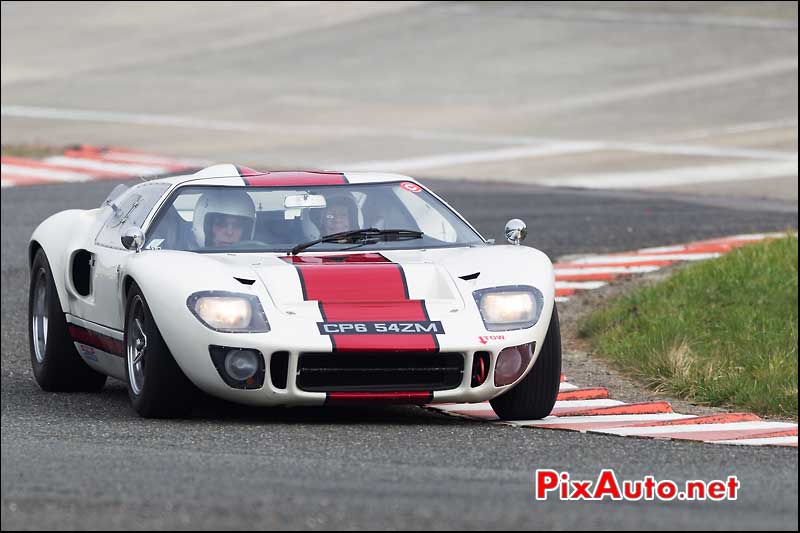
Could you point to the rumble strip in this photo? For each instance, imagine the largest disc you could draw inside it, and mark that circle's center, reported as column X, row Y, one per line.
column 90, row 163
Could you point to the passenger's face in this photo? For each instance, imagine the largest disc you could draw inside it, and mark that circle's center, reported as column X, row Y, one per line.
column 337, row 219
column 226, row 230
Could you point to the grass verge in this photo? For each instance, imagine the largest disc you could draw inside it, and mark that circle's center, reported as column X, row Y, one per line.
column 32, row 151
column 721, row 332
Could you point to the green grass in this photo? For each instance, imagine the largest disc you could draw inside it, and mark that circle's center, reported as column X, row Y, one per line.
column 720, row 332
column 32, row 151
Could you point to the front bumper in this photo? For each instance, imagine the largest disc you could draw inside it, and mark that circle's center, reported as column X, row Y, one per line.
column 298, row 333
column 287, row 380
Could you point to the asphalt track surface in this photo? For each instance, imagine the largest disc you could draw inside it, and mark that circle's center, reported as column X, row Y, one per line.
column 87, row 461
column 675, row 95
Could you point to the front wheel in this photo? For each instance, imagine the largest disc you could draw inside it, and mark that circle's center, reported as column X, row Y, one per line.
column 157, row 387
column 534, row 397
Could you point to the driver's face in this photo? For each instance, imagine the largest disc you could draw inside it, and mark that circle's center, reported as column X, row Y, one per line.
column 337, row 219
column 226, row 230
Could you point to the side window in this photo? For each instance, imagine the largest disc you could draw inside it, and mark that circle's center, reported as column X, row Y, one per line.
column 131, row 208
column 430, row 221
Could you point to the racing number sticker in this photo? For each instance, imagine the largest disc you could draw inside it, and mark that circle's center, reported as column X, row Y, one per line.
column 411, row 187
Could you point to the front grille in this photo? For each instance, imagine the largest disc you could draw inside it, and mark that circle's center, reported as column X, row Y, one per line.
column 379, row 371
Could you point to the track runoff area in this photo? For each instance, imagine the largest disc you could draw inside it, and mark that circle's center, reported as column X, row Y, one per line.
column 578, row 408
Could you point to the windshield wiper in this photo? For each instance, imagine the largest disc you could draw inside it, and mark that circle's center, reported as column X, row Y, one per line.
column 354, row 236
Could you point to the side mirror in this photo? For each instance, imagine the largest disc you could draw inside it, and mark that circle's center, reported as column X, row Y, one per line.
column 132, row 239
column 516, row 231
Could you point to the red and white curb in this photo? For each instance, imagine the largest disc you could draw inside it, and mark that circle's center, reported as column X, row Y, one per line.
column 592, row 410
column 595, row 271
column 89, row 163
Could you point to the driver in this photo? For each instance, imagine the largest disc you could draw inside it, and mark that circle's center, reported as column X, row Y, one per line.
column 223, row 218
column 341, row 214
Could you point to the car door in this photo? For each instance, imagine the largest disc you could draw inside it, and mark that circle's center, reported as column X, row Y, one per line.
column 101, row 303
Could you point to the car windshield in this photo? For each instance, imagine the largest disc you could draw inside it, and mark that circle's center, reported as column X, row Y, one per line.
column 278, row 219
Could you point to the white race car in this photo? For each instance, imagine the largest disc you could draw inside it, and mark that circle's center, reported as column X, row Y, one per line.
column 291, row 288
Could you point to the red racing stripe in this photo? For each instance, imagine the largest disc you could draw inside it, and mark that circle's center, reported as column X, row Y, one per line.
column 306, row 178
column 363, row 288
column 247, row 171
column 406, row 398
column 96, row 340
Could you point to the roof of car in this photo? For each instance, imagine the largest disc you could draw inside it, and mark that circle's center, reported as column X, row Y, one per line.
column 233, row 175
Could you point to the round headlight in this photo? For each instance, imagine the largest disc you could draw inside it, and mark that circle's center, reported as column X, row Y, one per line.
column 241, row 365
column 224, row 312
column 510, row 307
column 228, row 312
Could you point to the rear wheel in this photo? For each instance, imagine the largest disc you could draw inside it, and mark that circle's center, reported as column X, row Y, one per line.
column 57, row 366
column 534, row 397
column 157, row 387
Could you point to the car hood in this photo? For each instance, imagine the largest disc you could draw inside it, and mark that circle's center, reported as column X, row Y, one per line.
column 443, row 278
column 299, row 284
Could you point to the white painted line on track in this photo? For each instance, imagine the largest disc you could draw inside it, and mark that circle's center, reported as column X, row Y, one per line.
column 704, row 151
column 662, row 249
column 465, row 406
column 696, row 428
column 589, row 270
column 580, row 285
column 586, row 404
column 754, row 237
column 54, row 175
column 531, row 146
column 122, row 117
column 556, row 148
column 174, row 121
column 655, row 17
column 153, row 160
column 98, row 167
column 622, row 259
column 775, row 441
column 733, row 129
column 566, row 404
column 678, row 176
column 706, row 79
column 558, row 420
column 461, row 158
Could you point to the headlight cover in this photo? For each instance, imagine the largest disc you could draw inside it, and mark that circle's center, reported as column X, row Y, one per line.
column 228, row 312
column 510, row 307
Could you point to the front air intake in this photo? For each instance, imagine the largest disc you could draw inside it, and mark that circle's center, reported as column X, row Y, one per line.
column 379, row 371
column 279, row 369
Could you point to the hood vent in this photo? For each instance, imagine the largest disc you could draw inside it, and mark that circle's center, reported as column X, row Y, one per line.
column 244, row 281
column 470, row 277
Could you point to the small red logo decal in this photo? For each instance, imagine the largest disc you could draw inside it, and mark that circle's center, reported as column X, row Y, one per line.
column 411, row 187
column 486, row 338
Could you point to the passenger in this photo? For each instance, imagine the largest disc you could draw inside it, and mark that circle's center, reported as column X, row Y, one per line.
column 341, row 214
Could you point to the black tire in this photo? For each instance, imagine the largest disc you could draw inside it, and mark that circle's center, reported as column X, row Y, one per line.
column 58, row 367
column 164, row 391
column 534, row 397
